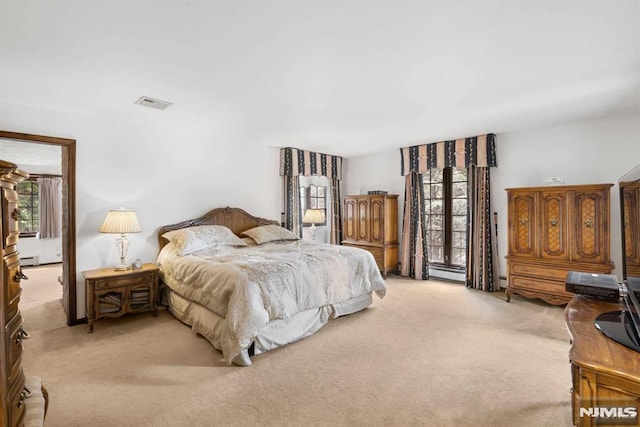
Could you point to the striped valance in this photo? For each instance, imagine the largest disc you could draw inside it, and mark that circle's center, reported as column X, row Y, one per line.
column 461, row 153
column 295, row 162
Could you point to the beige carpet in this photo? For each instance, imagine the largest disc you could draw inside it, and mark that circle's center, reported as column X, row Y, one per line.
column 429, row 354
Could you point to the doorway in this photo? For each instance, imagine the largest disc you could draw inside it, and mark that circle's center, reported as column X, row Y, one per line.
column 68, row 159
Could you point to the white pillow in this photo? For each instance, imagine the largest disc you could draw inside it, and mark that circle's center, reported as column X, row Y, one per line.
column 192, row 239
column 270, row 233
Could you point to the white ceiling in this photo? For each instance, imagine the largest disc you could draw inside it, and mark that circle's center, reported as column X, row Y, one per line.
column 343, row 77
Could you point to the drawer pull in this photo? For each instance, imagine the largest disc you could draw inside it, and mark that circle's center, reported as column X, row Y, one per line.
column 20, row 276
column 588, row 223
column 553, row 222
column 22, row 335
column 523, row 221
column 26, row 393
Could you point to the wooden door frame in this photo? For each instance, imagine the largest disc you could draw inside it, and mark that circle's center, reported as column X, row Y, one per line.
column 68, row 151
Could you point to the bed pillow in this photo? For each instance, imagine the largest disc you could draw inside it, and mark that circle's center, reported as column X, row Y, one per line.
column 192, row 239
column 270, row 233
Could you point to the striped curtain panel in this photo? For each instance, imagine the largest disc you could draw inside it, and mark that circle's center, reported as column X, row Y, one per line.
column 292, row 206
column 477, row 151
column 481, row 232
column 49, row 209
column 414, row 260
column 295, row 162
column 336, row 212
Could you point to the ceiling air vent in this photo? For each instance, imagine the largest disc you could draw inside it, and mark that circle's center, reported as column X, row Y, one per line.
column 158, row 104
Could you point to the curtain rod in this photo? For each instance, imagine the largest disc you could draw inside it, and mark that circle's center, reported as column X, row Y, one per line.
column 43, row 175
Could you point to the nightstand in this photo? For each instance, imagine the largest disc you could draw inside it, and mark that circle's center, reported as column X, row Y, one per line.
column 112, row 293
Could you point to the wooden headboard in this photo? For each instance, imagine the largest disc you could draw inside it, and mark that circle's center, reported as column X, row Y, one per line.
column 234, row 218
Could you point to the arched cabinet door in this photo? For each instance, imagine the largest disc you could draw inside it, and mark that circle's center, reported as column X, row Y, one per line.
column 631, row 219
column 377, row 219
column 350, row 219
column 522, row 223
column 363, row 220
column 591, row 225
column 553, row 225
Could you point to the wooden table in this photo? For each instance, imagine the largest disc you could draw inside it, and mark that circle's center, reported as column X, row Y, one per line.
column 113, row 293
column 604, row 372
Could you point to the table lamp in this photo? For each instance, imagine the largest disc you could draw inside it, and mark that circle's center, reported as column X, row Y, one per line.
column 121, row 221
column 313, row 216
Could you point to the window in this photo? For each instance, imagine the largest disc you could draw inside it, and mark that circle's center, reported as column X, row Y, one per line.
column 445, row 193
column 314, row 197
column 28, row 222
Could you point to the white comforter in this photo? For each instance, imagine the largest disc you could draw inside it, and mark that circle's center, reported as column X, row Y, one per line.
column 251, row 286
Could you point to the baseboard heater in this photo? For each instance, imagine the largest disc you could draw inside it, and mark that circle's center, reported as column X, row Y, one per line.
column 30, row 260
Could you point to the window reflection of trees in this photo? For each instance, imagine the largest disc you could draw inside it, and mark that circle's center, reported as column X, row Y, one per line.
column 446, row 215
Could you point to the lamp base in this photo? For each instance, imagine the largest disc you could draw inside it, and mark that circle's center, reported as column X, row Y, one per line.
column 122, row 267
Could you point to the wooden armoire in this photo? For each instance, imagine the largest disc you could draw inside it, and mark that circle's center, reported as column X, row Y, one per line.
column 553, row 230
column 13, row 392
column 371, row 223
column 630, row 193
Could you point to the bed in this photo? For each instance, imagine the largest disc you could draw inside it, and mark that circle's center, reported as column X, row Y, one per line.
column 249, row 286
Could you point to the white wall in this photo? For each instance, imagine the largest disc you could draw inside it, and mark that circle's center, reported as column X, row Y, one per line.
column 598, row 151
column 48, row 251
column 168, row 170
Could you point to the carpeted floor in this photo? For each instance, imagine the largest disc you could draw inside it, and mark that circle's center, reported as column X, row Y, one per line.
column 429, row 354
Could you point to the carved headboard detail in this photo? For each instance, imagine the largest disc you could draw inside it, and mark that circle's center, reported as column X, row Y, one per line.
column 235, row 218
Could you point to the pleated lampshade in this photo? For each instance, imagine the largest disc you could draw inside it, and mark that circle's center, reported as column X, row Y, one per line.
column 121, row 221
column 313, row 216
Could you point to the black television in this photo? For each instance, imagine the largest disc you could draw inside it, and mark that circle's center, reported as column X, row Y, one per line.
column 623, row 326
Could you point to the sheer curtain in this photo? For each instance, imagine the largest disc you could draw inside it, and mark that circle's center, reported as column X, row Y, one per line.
column 49, row 207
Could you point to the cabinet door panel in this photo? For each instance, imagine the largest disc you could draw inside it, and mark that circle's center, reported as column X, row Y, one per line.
column 350, row 219
column 554, row 225
column 522, row 226
column 631, row 219
column 377, row 222
column 140, row 298
column 363, row 220
column 592, row 225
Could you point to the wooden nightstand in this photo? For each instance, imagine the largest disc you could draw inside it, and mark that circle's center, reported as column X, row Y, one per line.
column 112, row 293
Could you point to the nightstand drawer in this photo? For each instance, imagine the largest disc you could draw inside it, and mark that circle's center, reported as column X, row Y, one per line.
column 115, row 282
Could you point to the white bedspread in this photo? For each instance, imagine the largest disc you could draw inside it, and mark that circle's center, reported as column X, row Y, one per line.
column 251, row 286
